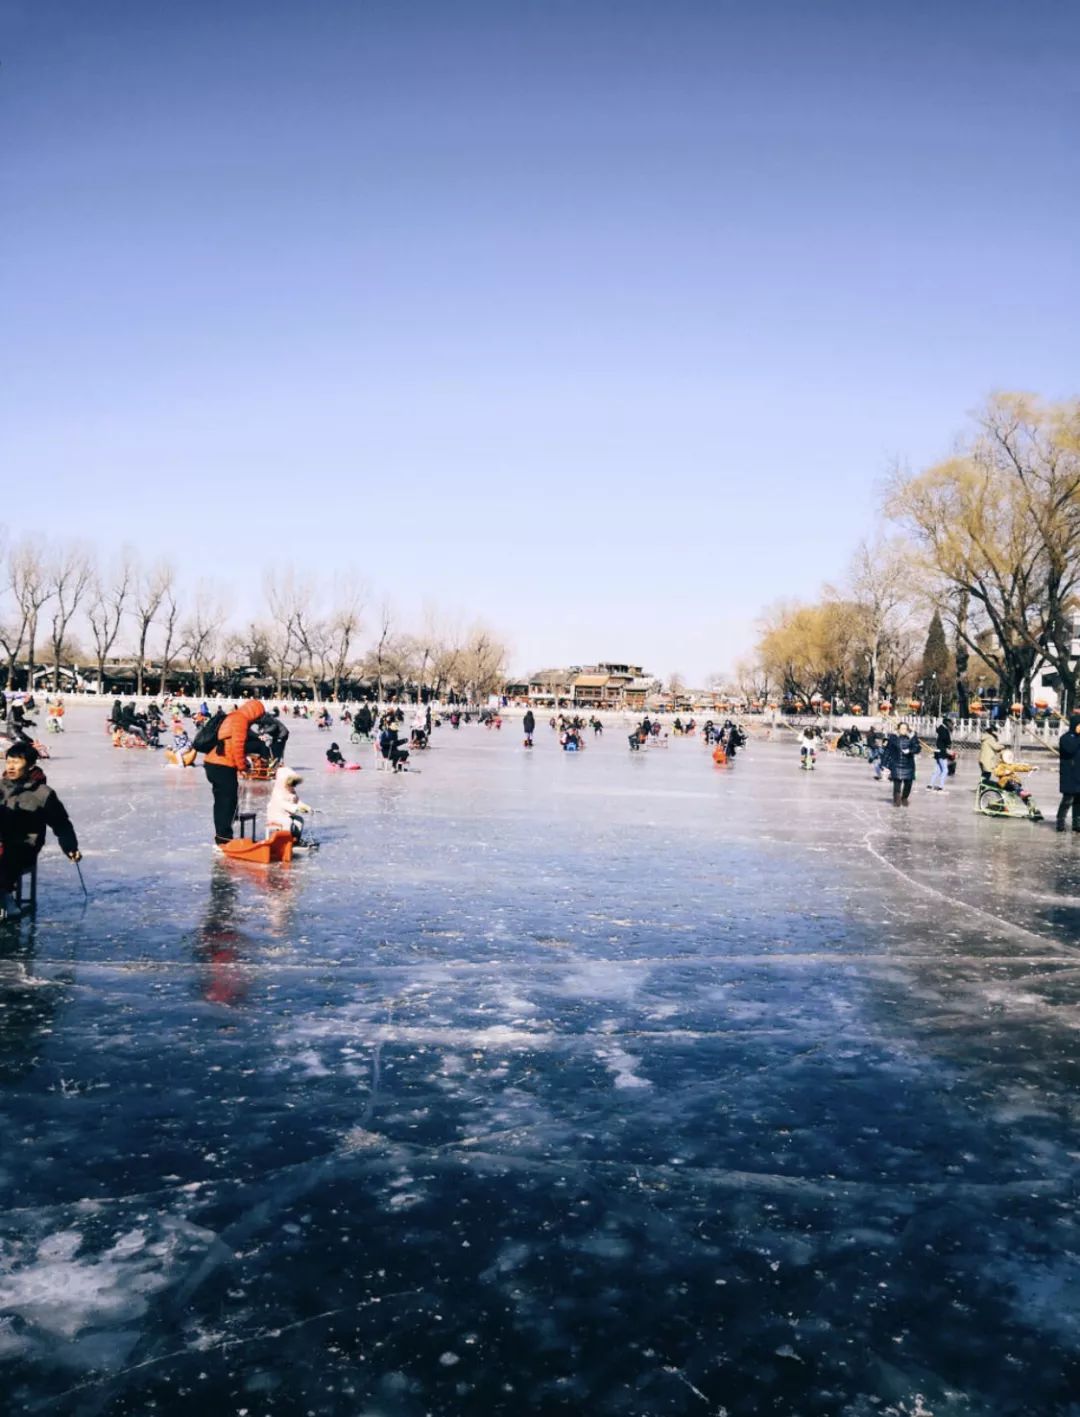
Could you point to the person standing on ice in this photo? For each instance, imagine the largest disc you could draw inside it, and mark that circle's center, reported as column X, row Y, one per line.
column 900, row 752
column 224, row 764
column 942, row 751
column 1069, row 774
column 874, row 751
column 528, row 724
column 27, row 806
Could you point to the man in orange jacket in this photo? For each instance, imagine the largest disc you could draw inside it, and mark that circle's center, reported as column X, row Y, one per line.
column 225, row 761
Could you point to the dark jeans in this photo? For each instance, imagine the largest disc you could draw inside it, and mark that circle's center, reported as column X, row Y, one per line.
column 17, row 858
column 901, row 791
column 226, row 789
column 1069, row 799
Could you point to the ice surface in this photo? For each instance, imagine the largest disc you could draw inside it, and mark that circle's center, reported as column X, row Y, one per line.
column 597, row 1083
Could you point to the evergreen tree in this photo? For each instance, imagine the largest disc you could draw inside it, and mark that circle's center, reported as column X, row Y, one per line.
column 937, row 666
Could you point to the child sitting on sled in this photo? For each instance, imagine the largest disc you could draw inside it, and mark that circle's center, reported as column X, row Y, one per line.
column 285, row 809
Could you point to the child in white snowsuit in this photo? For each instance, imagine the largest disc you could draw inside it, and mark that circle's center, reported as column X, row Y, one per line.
column 285, row 806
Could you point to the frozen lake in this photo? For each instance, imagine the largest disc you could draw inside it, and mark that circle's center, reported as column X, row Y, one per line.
column 606, row 1083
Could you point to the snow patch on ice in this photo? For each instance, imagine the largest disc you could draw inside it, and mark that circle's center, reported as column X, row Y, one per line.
column 623, row 1068
column 358, row 1139
column 59, row 1289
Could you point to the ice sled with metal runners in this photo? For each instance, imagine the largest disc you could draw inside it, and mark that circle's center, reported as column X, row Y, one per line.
column 1003, row 793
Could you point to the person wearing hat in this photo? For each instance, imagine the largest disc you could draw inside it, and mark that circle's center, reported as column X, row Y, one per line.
column 991, row 752
column 942, row 756
column 285, row 809
column 27, row 806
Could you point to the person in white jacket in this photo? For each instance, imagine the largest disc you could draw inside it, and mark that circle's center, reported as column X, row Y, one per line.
column 807, row 749
column 285, row 807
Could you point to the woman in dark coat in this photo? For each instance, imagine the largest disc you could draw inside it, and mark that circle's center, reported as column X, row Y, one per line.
column 1069, row 774
column 899, row 757
column 528, row 723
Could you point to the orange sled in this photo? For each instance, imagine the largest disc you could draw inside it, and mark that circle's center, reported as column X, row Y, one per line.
column 278, row 846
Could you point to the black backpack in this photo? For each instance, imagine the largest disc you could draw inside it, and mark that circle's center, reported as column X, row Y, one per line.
column 205, row 741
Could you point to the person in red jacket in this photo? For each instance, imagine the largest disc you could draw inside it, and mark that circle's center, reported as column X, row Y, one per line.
column 225, row 761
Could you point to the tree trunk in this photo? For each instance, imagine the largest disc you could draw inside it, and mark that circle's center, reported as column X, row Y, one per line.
column 30, row 656
column 962, row 659
column 1066, row 691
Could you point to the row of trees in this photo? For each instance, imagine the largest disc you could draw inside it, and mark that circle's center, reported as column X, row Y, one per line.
column 975, row 578
column 62, row 608
column 859, row 642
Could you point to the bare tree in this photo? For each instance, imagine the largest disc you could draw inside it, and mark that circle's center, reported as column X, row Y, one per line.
column 108, row 602
column 483, row 662
column 151, row 588
column 71, row 576
column 428, row 644
column 751, row 678
column 13, row 626
column 342, row 629
column 201, row 634
column 880, row 580
column 380, row 655
column 446, row 664
column 170, row 615
column 316, row 648
column 253, row 646
column 31, row 588
column 401, row 663
column 289, row 601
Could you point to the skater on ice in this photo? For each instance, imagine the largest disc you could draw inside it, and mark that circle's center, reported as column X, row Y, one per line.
column 27, row 806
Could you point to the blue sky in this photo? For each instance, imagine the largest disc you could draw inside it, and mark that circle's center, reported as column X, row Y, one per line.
column 602, row 320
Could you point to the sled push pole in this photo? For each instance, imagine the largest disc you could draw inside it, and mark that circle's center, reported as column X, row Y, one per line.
column 245, row 820
column 26, row 888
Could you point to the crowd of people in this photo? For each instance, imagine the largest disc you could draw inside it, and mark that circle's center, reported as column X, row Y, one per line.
column 894, row 755
column 251, row 740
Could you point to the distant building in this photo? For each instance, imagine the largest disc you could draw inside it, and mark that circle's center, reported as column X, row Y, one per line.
column 593, row 691
column 549, row 686
column 595, row 686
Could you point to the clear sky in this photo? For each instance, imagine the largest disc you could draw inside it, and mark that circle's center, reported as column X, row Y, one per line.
column 600, row 319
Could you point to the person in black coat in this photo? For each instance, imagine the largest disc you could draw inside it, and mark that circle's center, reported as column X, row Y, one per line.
column 27, row 806
column 266, row 738
column 901, row 750
column 1069, row 774
column 875, row 751
column 942, row 752
column 528, row 723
